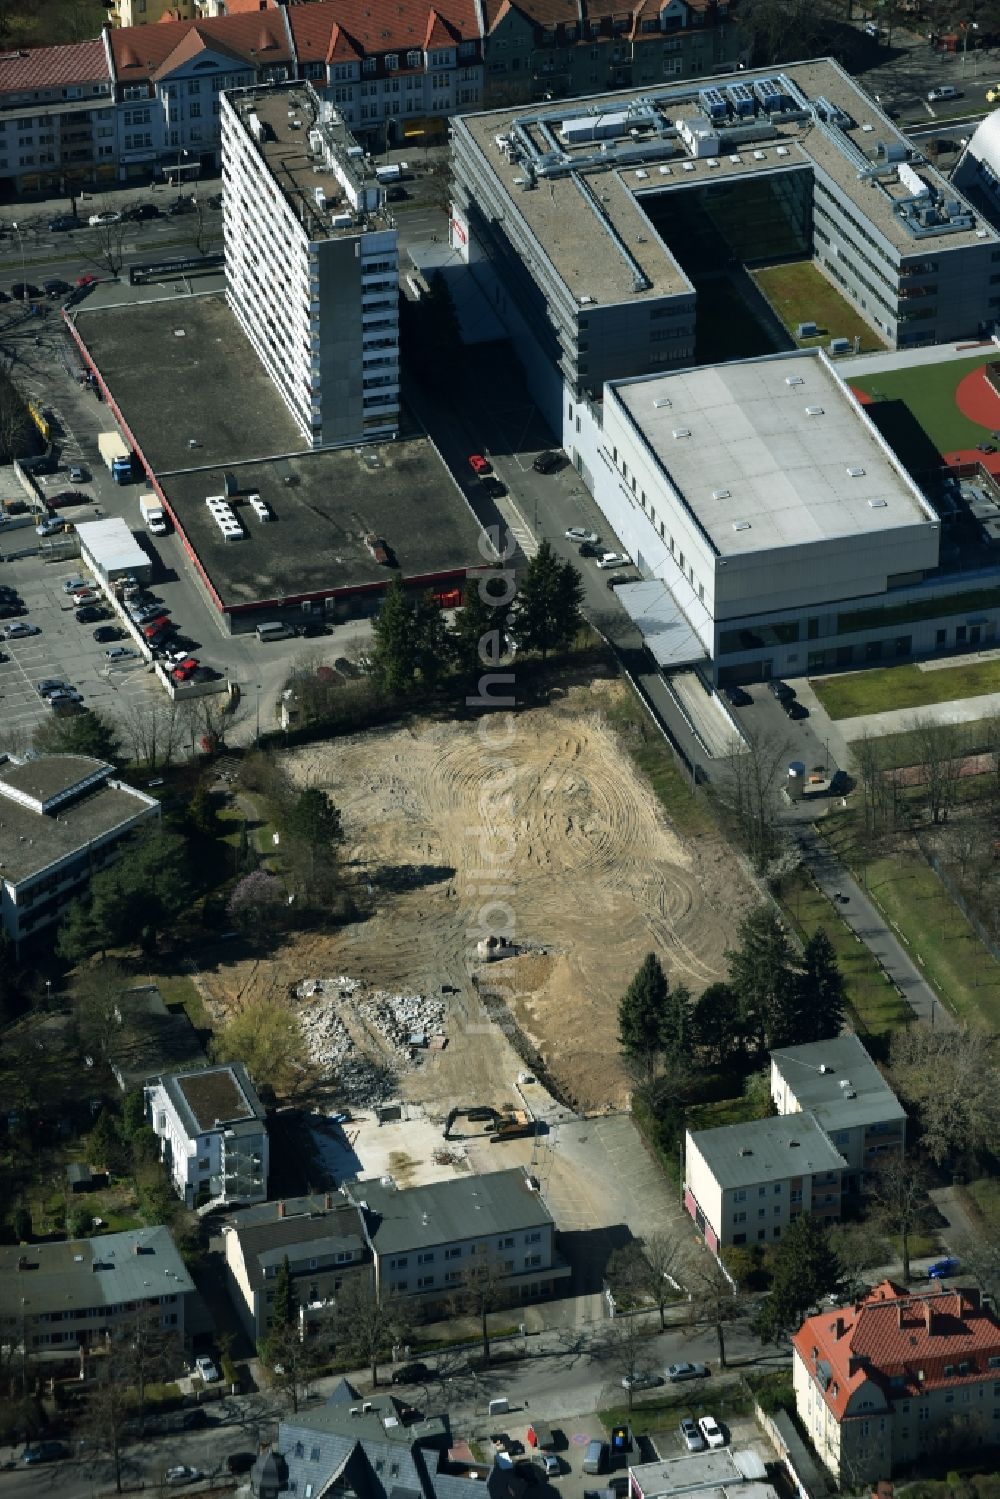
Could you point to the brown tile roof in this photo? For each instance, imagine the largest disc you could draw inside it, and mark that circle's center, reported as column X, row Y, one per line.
column 551, row 14
column 52, row 67
column 146, row 51
column 379, row 25
column 890, row 1335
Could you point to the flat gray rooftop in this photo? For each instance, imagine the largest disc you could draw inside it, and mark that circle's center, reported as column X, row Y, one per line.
column 139, row 1265
column 740, row 1155
column 31, row 841
column 838, row 1082
column 210, row 385
column 468, row 1207
column 659, row 161
column 756, row 468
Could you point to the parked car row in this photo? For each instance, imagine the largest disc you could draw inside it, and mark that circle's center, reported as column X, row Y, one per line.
column 738, row 697
column 152, row 619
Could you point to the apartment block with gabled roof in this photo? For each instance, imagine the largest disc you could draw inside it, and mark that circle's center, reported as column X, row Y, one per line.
column 886, row 1380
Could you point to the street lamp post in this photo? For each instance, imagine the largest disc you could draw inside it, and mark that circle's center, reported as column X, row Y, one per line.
column 20, row 240
column 969, row 26
column 180, row 152
column 257, row 739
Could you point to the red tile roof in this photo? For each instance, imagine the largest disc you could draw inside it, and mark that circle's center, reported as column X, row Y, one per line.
column 380, row 25
column 52, row 67
column 900, row 1342
column 150, row 51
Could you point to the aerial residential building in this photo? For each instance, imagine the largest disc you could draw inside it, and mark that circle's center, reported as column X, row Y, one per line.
column 896, row 1376
column 837, row 1083
column 738, row 1472
column 323, row 1240
column 544, row 49
column 428, row 1241
column 311, row 262
column 60, row 1298
column 212, row 1132
column 745, row 1183
column 57, row 119
column 62, row 817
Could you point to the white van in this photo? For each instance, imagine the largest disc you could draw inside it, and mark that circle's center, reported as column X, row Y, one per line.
column 276, row 630
column 945, row 91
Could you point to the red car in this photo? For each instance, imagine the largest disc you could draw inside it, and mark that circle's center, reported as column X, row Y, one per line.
column 83, row 595
column 479, row 464
column 86, row 280
column 67, row 497
column 154, row 627
column 185, row 669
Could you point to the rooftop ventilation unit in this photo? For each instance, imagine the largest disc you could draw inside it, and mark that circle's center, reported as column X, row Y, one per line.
column 782, row 150
column 682, row 432
column 689, row 166
column 759, row 156
column 745, row 1150
column 855, row 472
column 713, row 161
column 720, row 494
column 660, row 401
column 794, row 380
column 982, row 234
column 666, row 172
column 814, row 411
column 878, row 504
column 741, row 525
column 736, row 159
column 642, row 174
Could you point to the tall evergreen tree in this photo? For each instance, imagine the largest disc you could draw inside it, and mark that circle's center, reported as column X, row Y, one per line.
column 546, row 613
column 430, row 640
column 644, row 1013
column 822, row 990
column 806, row 1268
column 285, row 1306
column 476, row 638
column 676, row 1034
column 716, row 1023
column 394, row 648
column 765, row 978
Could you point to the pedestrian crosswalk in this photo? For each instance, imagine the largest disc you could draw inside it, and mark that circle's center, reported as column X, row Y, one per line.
column 518, row 527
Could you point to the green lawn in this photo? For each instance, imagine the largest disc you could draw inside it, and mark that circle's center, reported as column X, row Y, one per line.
column 929, row 395
column 652, row 754
column 180, row 989
column 799, row 293
column 904, row 686
column 984, row 1195
column 936, row 934
column 904, row 748
column 874, row 1003
column 724, row 1111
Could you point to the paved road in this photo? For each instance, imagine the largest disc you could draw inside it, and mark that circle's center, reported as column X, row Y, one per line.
column 868, row 923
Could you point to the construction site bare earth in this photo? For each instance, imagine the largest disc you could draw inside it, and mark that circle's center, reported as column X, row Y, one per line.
column 538, row 828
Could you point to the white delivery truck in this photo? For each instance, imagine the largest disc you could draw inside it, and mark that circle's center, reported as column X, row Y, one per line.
column 153, row 514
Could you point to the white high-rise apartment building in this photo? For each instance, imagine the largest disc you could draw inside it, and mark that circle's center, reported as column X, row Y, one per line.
column 311, row 262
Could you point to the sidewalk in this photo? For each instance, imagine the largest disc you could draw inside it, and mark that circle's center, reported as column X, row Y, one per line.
column 870, row 927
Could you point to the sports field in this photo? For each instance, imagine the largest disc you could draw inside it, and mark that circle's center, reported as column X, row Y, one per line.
column 928, row 393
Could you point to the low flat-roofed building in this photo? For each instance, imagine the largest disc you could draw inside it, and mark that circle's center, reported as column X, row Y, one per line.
column 837, row 1082
column 760, row 495
column 62, row 817
column 323, row 1239
column 61, row 1297
column 213, row 1134
column 309, row 555
column 428, row 1241
column 745, row 1183
column 717, row 1472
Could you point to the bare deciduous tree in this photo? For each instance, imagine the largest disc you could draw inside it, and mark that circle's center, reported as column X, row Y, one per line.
column 715, row 1300
column 366, row 1324
column 897, row 1191
column 754, row 764
column 949, row 1078
column 940, row 747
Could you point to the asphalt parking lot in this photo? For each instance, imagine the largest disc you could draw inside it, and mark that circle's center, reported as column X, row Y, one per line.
column 63, row 649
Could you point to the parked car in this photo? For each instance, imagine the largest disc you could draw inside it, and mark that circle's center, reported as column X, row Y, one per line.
column 24, row 291
column 691, row 1436
column 19, row 629
column 181, row 1475
column 161, row 625
column 204, row 1366
column 547, row 462
column 67, row 497
column 612, row 559
column 549, row 1464
column 108, row 632
column 70, row 585
column 187, row 668
column 78, row 474
column 943, row 91
column 140, row 211
column 215, row 201
column 579, row 533
column 11, row 608
column 493, row 486
column 84, row 596
column 678, row 1372
column 643, row 1379
column 44, row 1452
column 63, row 221
column 737, row 697
column 942, row 1269
column 64, row 697
column 87, row 279
column 240, row 1462
column 711, row 1431
column 51, row 684
column 780, row 690
column 180, row 205
column 617, row 579
column 479, row 464
column 50, row 526
column 56, row 287
column 415, row 1373
column 91, row 613
column 119, row 653
column 109, row 216
column 794, row 709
